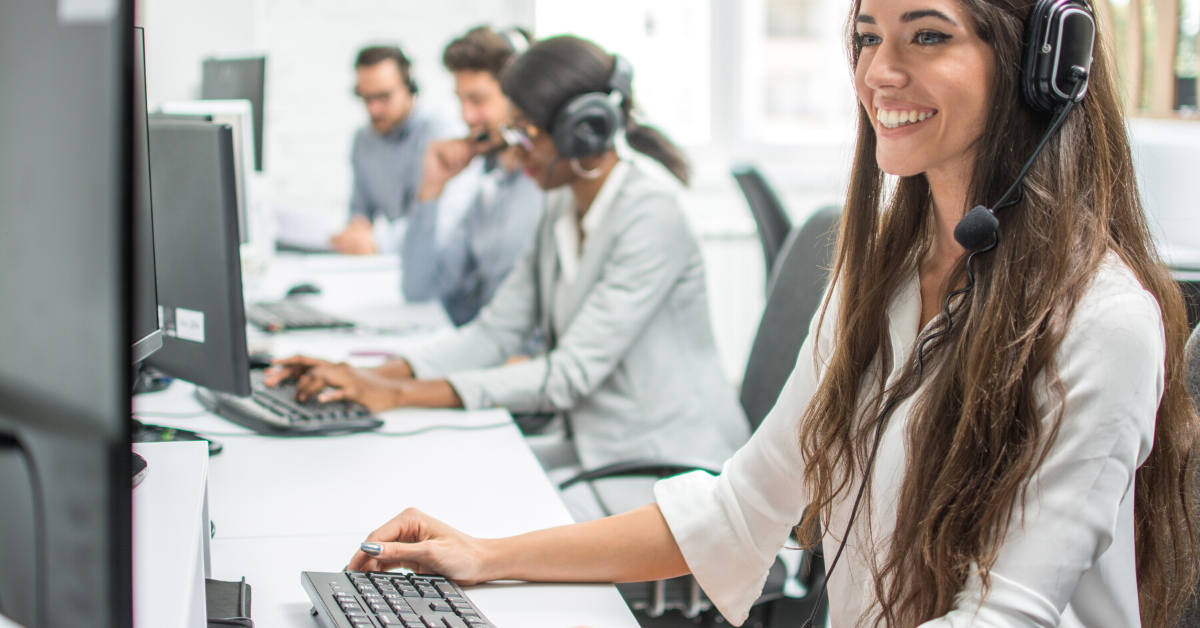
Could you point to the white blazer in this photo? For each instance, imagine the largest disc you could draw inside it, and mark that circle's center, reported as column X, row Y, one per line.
column 632, row 364
column 1070, row 563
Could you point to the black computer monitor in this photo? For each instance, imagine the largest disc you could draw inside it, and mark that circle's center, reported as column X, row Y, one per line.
column 238, row 79
column 147, row 338
column 197, row 256
column 65, row 349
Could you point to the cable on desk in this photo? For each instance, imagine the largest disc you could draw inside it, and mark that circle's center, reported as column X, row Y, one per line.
column 172, row 415
column 455, row 428
column 431, row 428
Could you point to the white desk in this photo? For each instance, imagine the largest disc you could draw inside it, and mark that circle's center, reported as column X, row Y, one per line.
column 285, row 505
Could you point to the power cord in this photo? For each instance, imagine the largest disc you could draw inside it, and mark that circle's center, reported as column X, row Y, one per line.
column 8, row 441
column 431, row 428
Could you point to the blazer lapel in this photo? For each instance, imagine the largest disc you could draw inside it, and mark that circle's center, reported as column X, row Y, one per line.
column 596, row 251
column 548, row 270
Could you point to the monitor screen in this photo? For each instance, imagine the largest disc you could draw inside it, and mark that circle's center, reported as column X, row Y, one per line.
column 197, row 256
column 237, row 114
column 238, row 79
column 146, row 336
column 66, row 123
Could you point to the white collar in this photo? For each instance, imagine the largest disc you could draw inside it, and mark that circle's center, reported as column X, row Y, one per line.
column 566, row 229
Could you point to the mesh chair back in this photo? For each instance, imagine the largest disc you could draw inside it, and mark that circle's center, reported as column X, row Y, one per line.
column 794, row 293
column 769, row 214
column 1192, row 382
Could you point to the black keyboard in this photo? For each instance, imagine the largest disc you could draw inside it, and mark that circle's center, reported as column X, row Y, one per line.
column 357, row 599
column 275, row 411
column 285, row 315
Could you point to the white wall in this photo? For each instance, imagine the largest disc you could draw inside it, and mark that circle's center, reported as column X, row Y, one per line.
column 311, row 113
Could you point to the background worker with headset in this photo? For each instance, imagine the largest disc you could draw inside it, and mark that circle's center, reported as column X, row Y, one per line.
column 463, row 262
column 613, row 278
column 387, row 153
column 982, row 391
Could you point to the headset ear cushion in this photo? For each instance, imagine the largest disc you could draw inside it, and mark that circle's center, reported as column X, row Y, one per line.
column 586, row 125
column 1030, row 51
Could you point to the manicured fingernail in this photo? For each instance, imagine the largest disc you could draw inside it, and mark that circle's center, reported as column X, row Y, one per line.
column 371, row 548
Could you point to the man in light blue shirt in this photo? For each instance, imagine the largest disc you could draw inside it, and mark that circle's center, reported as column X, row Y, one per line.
column 461, row 262
column 387, row 153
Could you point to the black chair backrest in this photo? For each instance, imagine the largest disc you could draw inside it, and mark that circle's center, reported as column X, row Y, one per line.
column 794, row 293
column 1192, row 360
column 1191, row 381
column 769, row 214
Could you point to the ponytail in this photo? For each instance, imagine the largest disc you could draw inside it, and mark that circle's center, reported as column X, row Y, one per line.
column 541, row 80
column 654, row 144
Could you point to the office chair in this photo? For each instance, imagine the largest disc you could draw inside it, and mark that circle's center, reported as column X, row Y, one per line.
column 795, row 291
column 769, row 214
column 1191, row 380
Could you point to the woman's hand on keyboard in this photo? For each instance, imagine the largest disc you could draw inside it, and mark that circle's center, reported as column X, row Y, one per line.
column 327, row 382
column 416, row 541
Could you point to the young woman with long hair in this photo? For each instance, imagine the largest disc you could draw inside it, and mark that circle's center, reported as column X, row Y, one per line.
column 1036, row 469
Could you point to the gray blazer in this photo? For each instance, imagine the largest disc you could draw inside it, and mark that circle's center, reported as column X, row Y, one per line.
column 635, row 370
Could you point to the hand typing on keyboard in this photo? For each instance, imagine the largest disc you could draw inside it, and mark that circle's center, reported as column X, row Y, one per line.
column 327, row 382
column 389, row 386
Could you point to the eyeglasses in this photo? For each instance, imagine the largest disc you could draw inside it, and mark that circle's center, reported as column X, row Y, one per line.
column 522, row 136
column 380, row 97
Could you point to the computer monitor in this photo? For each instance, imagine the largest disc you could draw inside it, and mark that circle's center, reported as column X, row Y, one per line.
column 238, row 79
column 147, row 338
column 66, row 191
column 237, row 114
column 197, row 257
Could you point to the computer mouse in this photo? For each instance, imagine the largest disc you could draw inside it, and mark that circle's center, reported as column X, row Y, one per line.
column 303, row 288
column 260, row 360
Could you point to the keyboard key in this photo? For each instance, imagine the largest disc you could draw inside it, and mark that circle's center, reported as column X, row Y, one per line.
column 355, row 613
column 440, row 607
column 446, row 588
column 388, row 619
column 453, row 622
column 413, row 623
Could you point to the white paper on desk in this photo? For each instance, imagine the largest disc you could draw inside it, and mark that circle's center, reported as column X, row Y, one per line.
column 308, row 229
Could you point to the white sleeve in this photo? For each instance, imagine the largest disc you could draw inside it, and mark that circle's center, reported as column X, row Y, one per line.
column 730, row 527
column 1111, row 367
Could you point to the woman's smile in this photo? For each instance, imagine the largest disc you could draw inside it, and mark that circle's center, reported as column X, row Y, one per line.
column 896, row 118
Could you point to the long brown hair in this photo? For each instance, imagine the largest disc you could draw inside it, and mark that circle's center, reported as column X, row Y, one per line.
column 1080, row 201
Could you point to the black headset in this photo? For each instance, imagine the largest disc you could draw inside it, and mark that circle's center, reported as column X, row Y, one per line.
column 1056, row 60
column 1055, row 64
column 588, row 123
column 517, row 40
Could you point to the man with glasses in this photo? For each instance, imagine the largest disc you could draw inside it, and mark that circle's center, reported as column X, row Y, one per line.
column 387, row 154
column 461, row 261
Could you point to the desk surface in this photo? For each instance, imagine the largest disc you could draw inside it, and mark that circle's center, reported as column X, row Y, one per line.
column 285, row 505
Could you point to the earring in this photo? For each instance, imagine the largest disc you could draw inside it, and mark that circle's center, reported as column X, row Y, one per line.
column 579, row 170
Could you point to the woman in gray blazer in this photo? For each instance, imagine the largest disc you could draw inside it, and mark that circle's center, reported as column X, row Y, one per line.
column 613, row 281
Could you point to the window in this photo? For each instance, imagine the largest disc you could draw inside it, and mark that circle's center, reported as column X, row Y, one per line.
column 1155, row 46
